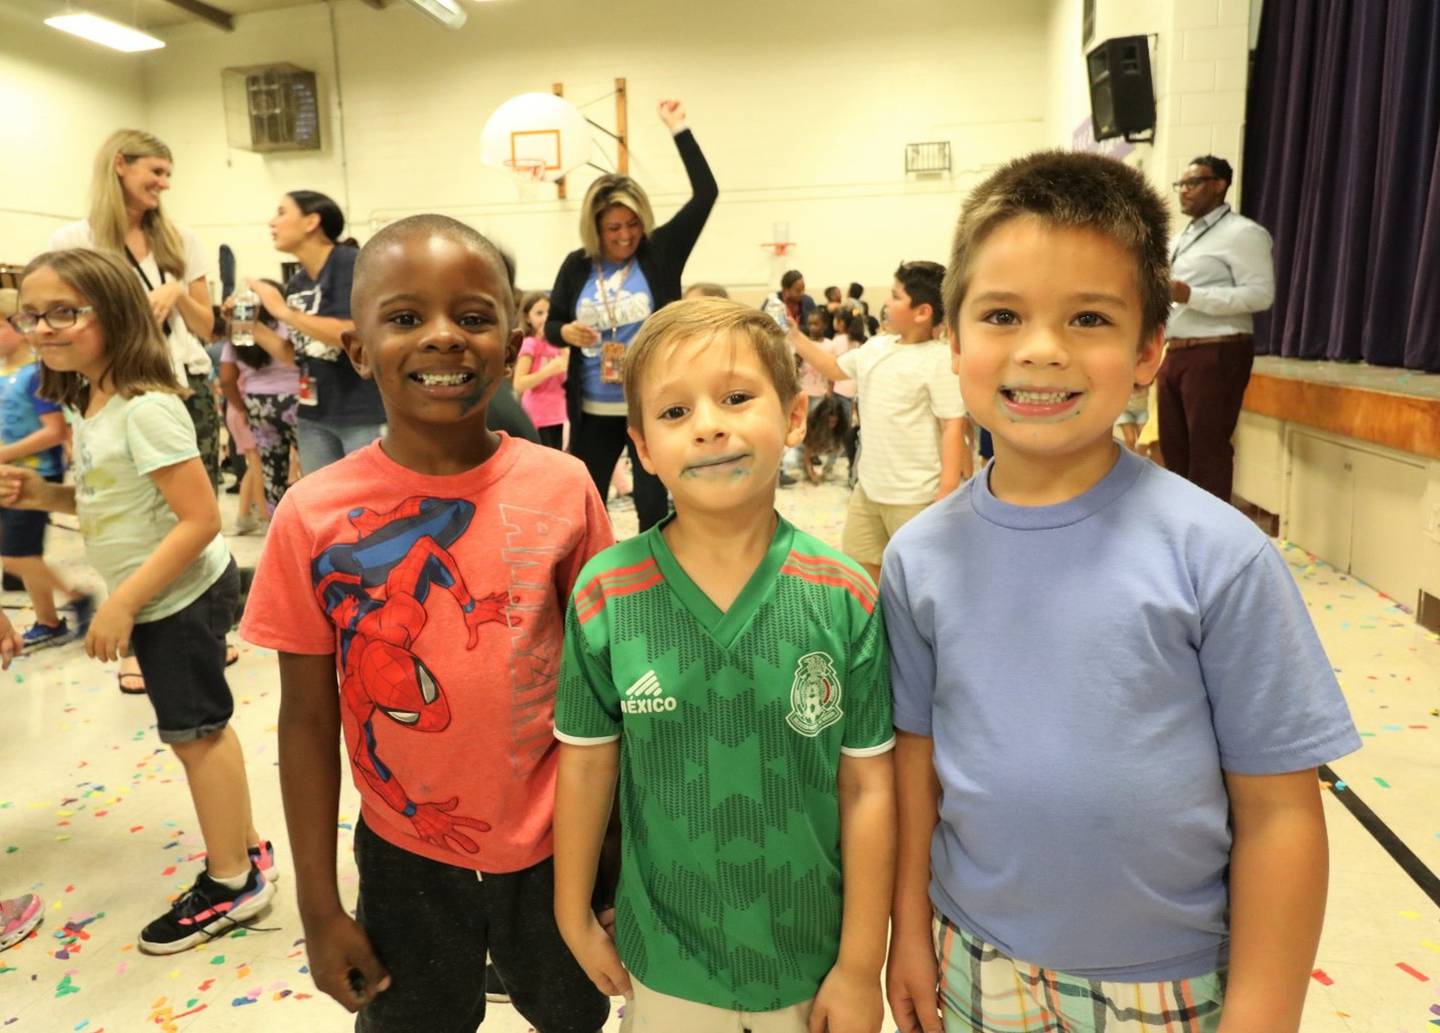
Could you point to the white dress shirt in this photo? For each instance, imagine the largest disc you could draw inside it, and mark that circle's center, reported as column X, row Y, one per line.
column 1225, row 259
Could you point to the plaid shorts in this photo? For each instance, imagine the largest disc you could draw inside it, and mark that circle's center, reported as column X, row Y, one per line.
column 983, row 991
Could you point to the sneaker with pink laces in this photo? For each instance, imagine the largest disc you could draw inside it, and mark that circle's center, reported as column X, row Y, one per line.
column 18, row 916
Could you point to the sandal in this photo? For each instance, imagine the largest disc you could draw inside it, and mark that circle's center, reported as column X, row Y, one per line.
column 132, row 683
column 232, row 655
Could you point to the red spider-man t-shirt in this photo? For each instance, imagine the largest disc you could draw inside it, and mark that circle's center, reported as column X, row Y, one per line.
column 443, row 601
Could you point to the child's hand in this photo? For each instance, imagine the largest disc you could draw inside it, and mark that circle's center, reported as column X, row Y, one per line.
column 109, row 636
column 11, row 644
column 672, row 113
column 595, row 951
column 342, row 962
column 848, row 1003
column 20, row 488
column 912, row 981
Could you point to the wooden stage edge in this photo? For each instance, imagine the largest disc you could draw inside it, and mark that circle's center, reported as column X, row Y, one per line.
column 1405, row 422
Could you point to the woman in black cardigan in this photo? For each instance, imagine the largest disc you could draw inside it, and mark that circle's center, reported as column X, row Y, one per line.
column 626, row 269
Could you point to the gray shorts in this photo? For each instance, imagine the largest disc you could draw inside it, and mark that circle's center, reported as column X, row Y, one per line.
column 182, row 658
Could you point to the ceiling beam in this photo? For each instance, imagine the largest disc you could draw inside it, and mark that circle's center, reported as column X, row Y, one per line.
column 220, row 19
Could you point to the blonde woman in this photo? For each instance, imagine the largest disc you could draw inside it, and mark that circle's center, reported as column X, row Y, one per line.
column 132, row 170
column 626, row 268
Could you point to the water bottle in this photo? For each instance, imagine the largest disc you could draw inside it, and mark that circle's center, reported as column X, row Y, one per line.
column 775, row 308
column 242, row 318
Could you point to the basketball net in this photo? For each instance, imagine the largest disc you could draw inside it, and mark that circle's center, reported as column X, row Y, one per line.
column 528, row 174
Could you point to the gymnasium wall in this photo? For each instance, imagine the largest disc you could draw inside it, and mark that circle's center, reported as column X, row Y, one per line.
column 59, row 100
column 803, row 110
column 1199, row 61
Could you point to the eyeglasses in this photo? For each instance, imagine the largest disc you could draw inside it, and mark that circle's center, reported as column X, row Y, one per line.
column 61, row 317
column 1192, row 182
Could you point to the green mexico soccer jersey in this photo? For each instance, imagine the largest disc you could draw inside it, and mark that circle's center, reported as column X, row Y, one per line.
column 731, row 729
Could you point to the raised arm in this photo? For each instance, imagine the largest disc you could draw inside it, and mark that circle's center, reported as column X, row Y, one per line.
column 811, row 351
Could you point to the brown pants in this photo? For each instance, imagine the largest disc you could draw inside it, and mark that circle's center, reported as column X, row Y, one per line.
column 1199, row 391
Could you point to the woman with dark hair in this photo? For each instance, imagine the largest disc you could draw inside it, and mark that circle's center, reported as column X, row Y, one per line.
column 339, row 412
column 626, row 269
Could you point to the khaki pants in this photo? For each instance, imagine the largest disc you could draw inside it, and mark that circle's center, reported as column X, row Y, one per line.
column 869, row 525
column 650, row 1011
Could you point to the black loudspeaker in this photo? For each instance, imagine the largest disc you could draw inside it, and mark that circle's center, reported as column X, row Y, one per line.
column 1122, row 98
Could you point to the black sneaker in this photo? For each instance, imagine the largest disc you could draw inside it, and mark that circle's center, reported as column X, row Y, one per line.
column 204, row 911
column 494, row 988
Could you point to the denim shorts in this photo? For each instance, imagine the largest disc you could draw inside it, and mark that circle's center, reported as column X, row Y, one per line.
column 182, row 658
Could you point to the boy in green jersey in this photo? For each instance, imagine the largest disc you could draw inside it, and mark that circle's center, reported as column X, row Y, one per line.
column 731, row 672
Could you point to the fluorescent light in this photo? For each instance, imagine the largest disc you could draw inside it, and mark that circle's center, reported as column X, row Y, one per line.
column 105, row 32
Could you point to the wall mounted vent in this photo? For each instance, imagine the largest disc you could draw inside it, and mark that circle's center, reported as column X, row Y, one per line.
column 271, row 108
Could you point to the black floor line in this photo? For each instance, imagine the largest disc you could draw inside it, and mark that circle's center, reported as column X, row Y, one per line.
column 1427, row 880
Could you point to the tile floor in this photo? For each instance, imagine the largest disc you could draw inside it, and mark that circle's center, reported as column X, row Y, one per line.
column 94, row 815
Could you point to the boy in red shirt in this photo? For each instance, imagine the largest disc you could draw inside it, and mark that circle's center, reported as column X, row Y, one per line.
column 415, row 591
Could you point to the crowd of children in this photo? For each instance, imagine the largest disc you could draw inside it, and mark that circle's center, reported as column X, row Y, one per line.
column 1035, row 747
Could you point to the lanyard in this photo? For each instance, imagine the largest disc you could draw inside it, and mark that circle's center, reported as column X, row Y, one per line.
column 146, row 280
column 1180, row 250
column 141, row 269
column 606, row 301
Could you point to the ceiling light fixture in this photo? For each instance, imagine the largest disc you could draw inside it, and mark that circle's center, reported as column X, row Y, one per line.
column 105, row 32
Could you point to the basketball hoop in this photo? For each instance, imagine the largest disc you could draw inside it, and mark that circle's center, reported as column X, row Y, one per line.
column 779, row 248
column 529, row 173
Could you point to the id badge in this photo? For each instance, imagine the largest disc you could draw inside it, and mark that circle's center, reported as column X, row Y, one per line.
column 309, row 390
column 612, row 355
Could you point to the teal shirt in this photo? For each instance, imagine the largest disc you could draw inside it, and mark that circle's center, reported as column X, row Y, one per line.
column 123, row 515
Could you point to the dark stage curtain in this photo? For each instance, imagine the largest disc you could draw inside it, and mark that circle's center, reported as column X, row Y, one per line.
column 1342, row 165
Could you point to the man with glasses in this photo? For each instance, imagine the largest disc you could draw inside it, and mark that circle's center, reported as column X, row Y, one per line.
column 1222, row 273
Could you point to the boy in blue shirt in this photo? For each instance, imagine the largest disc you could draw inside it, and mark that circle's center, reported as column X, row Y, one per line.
column 32, row 432
column 1110, row 699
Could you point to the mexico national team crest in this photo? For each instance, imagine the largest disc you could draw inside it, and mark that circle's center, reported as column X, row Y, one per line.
column 814, row 695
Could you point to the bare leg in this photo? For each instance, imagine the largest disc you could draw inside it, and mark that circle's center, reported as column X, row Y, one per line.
column 40, row 582
column 215, row 768
column 252, row 487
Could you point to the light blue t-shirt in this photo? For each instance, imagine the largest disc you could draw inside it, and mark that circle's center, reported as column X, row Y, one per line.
column 123, row 516
column 617, row 313
column 20, row 411
column 1087, row 671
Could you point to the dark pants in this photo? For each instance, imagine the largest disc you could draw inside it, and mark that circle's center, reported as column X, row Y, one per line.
column 598, row 441
column 431, row 925
column 1199, row 391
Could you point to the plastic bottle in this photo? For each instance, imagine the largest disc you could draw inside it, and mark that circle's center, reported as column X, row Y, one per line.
column 242, row 319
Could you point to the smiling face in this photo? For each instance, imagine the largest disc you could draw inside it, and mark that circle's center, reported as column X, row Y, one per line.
column 620, row 233
column 434, row 331
column 77, row 349
column 1048, row 342
column 713, row 426
column 142, row 181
